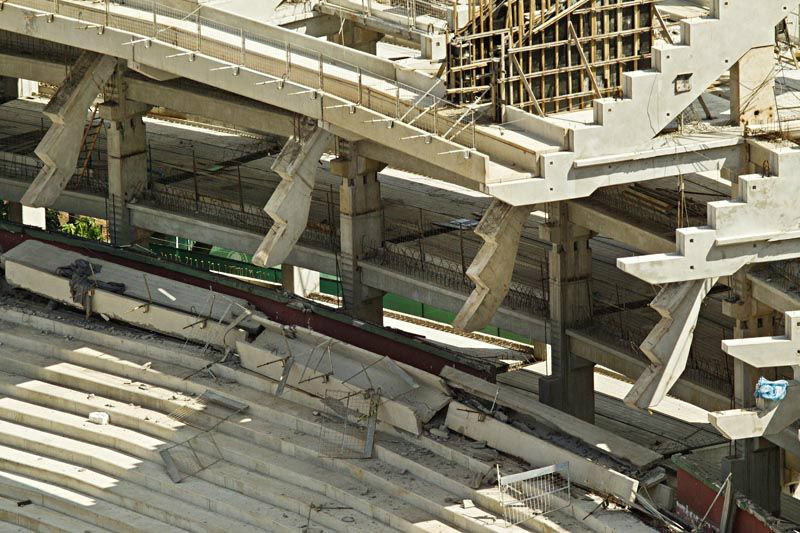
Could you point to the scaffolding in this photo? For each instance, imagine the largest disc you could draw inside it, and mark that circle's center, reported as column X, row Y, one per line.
column 547, row 56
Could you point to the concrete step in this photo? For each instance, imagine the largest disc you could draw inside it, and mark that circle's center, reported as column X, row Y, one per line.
column 41, row 519
column 273, row 422
column 8, row 527
column 78, row 505
column 208, row 498
column 127, row 421
column 120, row 492
column 325, row 510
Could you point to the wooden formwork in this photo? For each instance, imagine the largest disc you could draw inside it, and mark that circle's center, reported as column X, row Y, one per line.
column 547, row 56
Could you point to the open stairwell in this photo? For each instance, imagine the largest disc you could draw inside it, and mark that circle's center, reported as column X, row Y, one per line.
column 264, row 469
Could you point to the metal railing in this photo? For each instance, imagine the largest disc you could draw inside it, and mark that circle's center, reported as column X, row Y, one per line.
column 279, row 61
column 532, row 493
column 449, row 275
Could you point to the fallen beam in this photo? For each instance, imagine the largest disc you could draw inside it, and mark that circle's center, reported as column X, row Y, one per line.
column 538, row 452
column 118, row 307
column 526, row 403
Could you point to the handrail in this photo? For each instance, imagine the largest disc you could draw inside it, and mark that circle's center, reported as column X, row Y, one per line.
column 314, row 68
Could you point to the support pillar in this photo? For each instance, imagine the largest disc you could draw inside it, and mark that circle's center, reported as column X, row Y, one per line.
column 570, row 385
column 361, row 228
column 299, row 281
column 753, row 87
column 353, row 36
column 756, row 464
column 9, row 89
column 126, row 140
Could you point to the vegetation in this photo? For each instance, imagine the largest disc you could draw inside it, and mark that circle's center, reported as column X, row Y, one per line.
column 85, row 227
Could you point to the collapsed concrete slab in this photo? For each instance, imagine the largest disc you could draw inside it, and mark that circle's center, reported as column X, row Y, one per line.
column 290, row 204
column 525, row 403
column 480, row 427
column 60, row 147
column 667, row 346
column 492, row 268
column 150, row 302
column 302, row 359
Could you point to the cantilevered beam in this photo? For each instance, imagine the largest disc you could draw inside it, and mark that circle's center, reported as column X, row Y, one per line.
column 61, row 145
column 493, row 267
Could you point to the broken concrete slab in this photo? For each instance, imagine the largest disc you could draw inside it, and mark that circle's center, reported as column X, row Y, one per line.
column 526, row 403
column 538, row 453
column 320, row 384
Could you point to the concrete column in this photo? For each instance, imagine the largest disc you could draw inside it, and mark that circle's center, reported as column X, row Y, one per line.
column 300, row 281
column 570, row 386
column 753, row 87
column 756, row 465
column 361, row 228
column 126, row 139
column 356, row 37
column 9, row 89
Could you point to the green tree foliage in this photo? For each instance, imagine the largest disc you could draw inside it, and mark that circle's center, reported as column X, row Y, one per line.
column 84, row 227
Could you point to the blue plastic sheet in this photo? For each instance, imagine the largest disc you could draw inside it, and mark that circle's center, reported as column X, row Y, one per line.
column 771, row 390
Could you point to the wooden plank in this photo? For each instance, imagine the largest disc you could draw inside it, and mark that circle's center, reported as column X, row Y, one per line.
column 538, row 452
column 526, row 403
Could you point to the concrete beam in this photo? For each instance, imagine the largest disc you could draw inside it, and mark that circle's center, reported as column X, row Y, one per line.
column 525, row 403
column 668, row 344
column 290, row 203
column 60, row 147
column 156, row 220
column 539, row 453
column 610, row 225
column 493, row 266
column 124, row 308
column 70, row 201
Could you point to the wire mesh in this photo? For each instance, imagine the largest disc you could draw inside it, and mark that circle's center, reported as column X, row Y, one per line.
column 535, row 492
column 347, row 424
column 201, row 451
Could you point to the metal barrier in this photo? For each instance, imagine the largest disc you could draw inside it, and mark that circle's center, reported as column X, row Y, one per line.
column 535, row 492
column 347, row 424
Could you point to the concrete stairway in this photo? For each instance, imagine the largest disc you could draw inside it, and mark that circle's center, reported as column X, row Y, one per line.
column 652, row 99
column 271, row 475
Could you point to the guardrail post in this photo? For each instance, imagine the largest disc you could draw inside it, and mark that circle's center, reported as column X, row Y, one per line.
column 155, row 19
column 244, row 49
column 358, row 69
column 321, row 75
column 199, row 31
column 473, row 130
